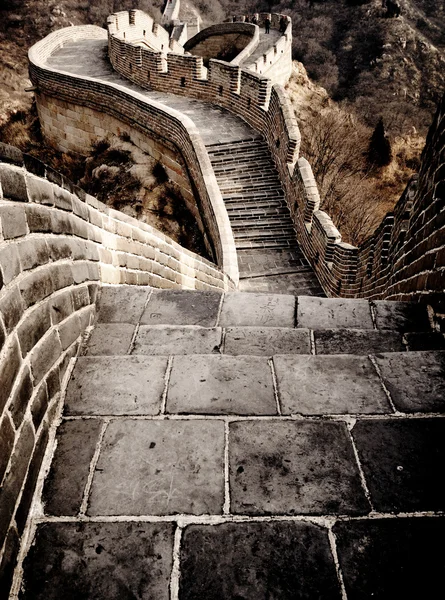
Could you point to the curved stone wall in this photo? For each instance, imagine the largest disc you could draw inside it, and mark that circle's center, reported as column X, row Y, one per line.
column 147, row 117
column 236, row 39
column 58, row 245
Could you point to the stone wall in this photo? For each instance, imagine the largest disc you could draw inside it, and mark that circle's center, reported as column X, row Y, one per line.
column 57, row 247
column 147, row 119
column 236, row 39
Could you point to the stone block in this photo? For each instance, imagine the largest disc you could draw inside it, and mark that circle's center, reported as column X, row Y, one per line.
column 285, row 560
column 159, row 468
column 316, row 385
column 13, row 183
column 9, row 263
column 7, row 436
column 36, row 286
column 64, row 487
column 11, row 308
column 13, row 481
column 44, row 355
column 121, row 304
column 355, row 341
column 333, row 313
column 111, row 338
column 38, row 218
column 182, row 307
column 391, row 558
column 257, row 310
column 62, row 198
column 31, row 479
column 33, row 253
column 33, row 327
column 13, row 221
column 266, row 341
column 221, row 385
column 9, row 368
column 292, row 468
column 21, row 397
column 416, row 381
column 69, row 330
column 164, row 339
column 61, row 276
column 39, row 405
column 40, row 191
column 125, row 385
column 401, row 460
column 8, row 561
column 81, row 297
column 401, row 316
column 60, row 306
column 108, row 560
column 61, row 222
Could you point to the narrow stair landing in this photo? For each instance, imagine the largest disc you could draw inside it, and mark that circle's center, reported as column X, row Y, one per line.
column 246, row 446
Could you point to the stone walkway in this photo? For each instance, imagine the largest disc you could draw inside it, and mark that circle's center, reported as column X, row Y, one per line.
column 246, row 446
column 268, row 253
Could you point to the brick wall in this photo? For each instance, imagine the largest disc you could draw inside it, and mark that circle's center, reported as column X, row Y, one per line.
column 57, row 247
column 146, row 118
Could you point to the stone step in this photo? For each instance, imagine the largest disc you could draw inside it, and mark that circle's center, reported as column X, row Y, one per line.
column 243, row 162
column 255, row 196
column 246, row 174
column 257, row 145
column 252, row 186
column 262, row 208
column 249, row 214
column 259, row 221
column 266, row 177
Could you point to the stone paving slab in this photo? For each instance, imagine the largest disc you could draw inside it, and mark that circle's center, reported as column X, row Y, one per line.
column 266, row 341
column 164, row 339
column 121, row 304
column 333, row 313
column 318, row 385
column 182, row 307
column 159, row 468
column 293, row 467
column 117, row 561
column 65, row 484
column 110, row 339
column 403, row 462
column 353, row 341
column 123, row 385
column 282, row 560
column 221, row 385
column 416, row 381
column 401, row 316
column 392, row 558
column 257, row 310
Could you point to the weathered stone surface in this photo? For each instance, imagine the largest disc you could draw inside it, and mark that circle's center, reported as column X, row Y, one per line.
column 8, row 562
column 65, row 484
column 121, row 304
column 402, row 460
column 333, row 313
column 11, row 307
column 124, row 385
column 14, row 479
column 353, row 341
column 121, row 561
column 33, row 327
column 266, row 341
column 13, row 183
column 9, row 263
column 39, row 405
column 164, row 339
column 159, row 467
column 257, row 310
column 36, row 286
column 111, row 338
column 13, row 221
column 293, row 467
column 44, row 355
column 416, row 381
column 6, row 443
column 33, row 252
column 21, row 397
column 9, row 368
column 401, row 316
column 182, row 307
column 392, row 558
column 317, row 385
column 221, row 385
column 285, row 560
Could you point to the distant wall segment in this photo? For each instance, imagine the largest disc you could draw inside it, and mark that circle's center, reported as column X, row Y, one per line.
column 148, row 119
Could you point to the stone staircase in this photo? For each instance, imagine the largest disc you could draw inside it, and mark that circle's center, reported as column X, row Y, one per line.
column 246, row 446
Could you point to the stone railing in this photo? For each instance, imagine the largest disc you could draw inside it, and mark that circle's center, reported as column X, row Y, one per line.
column 58, row 245
column 148, row 119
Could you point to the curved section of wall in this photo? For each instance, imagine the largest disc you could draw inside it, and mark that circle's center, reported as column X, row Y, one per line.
column 237, row 39
column 57, row 246
column 149, row 118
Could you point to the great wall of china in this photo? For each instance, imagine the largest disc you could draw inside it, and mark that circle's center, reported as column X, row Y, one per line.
column 59, row 246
